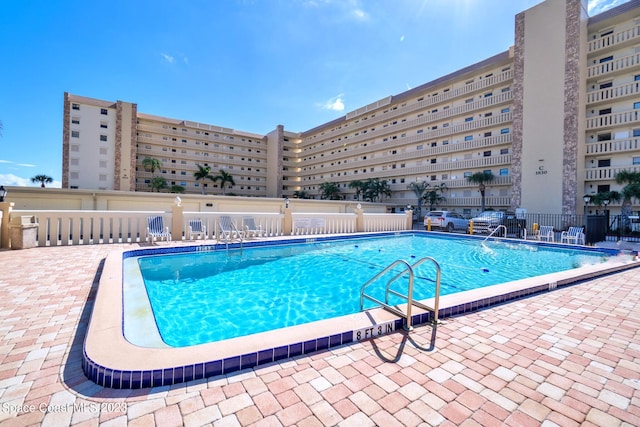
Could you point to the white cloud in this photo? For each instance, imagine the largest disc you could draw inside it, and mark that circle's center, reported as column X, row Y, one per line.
column 28, row 165
column 598, row 6
column 360, row 14
column 335, row 104
column 168, row 58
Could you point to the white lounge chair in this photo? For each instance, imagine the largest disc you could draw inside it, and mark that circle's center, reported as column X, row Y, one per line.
column 228, row 230
column 545, row 233
column 251, row 229
column 156, row 229
column 197, row 229
column 574, row 236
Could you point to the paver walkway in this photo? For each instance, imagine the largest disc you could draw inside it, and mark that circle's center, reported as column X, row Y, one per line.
column 569, row 357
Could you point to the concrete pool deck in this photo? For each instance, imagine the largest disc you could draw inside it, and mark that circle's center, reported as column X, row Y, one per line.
column 567, row 357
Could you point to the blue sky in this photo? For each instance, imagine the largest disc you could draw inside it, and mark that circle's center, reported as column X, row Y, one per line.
column 244, row 64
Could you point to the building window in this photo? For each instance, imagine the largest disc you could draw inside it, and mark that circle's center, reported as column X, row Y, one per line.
column 636, row 105
column 503, row 131
column 604, row 136
column 103, row 137
column 504, row 151
column 604, row 111
column 504, row 172
column 74, row 175
column 636, row 132
column 606, row 59
column 75, row 106
column 604, row 163
column 103, row 151
column 103, row 164
column 504, row 110
column 486, row 154
column 636, row 77
column 103, row 125
column 467, row 174
column 75, row 134
column 606, row 85
column 104, row 111
column 75, row 121
column 468, row 119
column 102, row 177
column 468, row 137
column 636, row 160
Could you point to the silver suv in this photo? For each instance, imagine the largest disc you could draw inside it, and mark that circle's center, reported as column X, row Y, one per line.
column 445, row 220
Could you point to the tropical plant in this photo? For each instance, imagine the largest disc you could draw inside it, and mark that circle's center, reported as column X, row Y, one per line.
column 611, row 196
column 176, row 189
column 330, row 190
column 150, row 164
column 202, row 173
column 158, row 183
column 419, row 188
column 375, row 188
column 300, row 194
column 358, row 186
column 481, row 178
column 435, row 196
column 42, row 179
column 629, row 192
column 224, row 177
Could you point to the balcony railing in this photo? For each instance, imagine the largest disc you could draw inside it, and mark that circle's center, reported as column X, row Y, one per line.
column 600, row 174
column 614, row 93
column 613, row 66
column 617, row 39
column 613, row 146
column 616, row 119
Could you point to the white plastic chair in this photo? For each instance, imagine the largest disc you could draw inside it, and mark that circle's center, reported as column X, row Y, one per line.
column 545, row 233
column 228, row 230
column 250, row 227
column 156, row 229
column 573, row 236
column 197, row 229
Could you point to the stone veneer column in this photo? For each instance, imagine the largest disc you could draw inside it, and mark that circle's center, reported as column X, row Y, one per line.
column 518, row 91
column 574, row 111
column 66, row 119
column 125, row 142
column 133, row 147
column 117, row 148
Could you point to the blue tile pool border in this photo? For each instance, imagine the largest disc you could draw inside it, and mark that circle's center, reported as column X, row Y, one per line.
column 126, row 379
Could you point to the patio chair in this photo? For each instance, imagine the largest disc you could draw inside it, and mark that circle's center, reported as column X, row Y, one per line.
column 251, row 229
column 156, row 229
column 574, row 236
column 545, row 233
column 228, row 230
column 197, row 229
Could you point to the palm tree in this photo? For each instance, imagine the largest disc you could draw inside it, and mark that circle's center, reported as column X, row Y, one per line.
column 176, row 189
column 158, row 183
column 330, row 190
column 359, row 186
column 224, row 177
column 42, row 179
column 202, row 173
column 419, row 188
column 629, row 192
column 481, row 178
column 435, row 196
column 150, row 164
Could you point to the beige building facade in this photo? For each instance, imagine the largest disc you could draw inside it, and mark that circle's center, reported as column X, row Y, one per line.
column 553, row 118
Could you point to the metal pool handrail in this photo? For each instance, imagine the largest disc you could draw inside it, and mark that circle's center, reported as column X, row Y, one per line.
column 409, row 297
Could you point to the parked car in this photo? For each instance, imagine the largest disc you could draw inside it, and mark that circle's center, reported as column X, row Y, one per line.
column 445, row 220
column 488, row 221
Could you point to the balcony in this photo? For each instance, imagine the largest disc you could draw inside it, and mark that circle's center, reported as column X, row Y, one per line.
column 616, row 40
column 620, row 65
column 602, row 174
column 616, row 119
column 614, row 146
column 614, row 93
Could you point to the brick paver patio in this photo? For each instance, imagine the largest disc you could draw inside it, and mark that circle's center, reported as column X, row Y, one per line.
column 567, row 358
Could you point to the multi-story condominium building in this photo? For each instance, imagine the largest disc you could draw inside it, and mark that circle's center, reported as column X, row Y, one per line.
column 553, row 118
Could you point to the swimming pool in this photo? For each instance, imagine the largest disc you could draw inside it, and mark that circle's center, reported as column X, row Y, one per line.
column 217, row 295
column 110, row 360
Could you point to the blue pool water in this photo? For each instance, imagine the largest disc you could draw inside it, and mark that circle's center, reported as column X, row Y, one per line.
column 210, row 296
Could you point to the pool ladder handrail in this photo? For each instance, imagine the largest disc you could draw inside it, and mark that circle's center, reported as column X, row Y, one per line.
column 409, row 297
column 495, row 230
